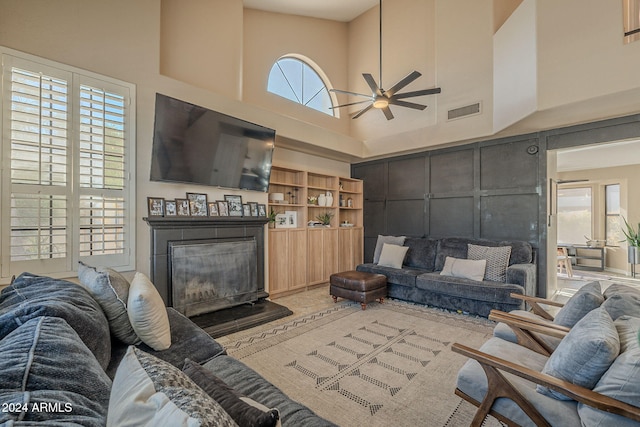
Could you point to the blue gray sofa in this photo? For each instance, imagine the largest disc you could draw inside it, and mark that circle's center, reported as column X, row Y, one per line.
column 58, row 359
column 419, row 280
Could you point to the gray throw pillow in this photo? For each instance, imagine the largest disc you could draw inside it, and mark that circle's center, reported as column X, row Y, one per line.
column 582, row 302
column 497, row 260
column 45, row 363
column 620, row 380
column 111, row 290
column 31, row 296
column 393, row 240
column 585, row 353
column 231, row 401
column 148, row 391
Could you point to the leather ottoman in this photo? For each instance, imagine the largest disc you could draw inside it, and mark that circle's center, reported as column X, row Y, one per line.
column 358, row 286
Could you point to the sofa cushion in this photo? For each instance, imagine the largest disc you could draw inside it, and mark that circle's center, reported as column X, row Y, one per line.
column 231, row 401
column 31, row 296
column 246, row 381
column 421, row 253
column 44, row 362
column 404, row 277
column 497, row 260
column 582, row 302
column 621, row 289
column 149, row 391
column 394, row 240
column 621, row 380
column 147, row 313
column 111, row 290
column 392, row 255
column 585, row 353
column 464, row 268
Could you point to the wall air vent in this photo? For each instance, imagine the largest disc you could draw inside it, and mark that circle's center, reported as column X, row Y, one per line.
column 467, row 110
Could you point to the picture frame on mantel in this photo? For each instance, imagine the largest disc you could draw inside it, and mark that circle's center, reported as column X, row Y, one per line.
column 197, row 204
column 183, row 207
column 170, row 208
column 235, row 204
column 156, row 206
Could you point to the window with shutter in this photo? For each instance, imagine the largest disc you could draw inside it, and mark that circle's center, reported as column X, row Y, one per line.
column 68, row 138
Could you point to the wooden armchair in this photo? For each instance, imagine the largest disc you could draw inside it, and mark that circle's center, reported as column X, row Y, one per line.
column 540, row 410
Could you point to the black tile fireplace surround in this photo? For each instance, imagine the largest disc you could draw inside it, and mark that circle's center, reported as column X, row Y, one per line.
column 167, row 232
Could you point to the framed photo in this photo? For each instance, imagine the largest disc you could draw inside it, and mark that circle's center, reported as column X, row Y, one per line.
column 182, row 207
column 156, row 206
column 235, row 204
column 213, row 208
column 246, row 209
column 282, row 220
column 262, row 210
column 170, row 208
column 197, row 204
column 223, row 208
column 254, row 208
column 292, row 218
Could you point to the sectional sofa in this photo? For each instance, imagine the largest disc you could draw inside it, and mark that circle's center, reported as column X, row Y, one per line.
column 417, row 277
column 71, row 354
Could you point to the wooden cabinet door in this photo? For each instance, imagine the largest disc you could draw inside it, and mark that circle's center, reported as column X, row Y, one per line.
column 278, row 262
column 330, row 253
column 349, row 248
column 297, row 257
column 315, row 255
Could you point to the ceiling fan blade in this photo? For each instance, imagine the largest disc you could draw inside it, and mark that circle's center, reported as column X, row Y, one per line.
column 402, row 83
column 372, row 84
column 417, row 93
column 407, row 104
column 364, row 110
column 387, row 113
column 350, row 93
column 346, row 105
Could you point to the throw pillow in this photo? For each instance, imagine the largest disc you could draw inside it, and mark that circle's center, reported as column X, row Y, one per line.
column 150, row 392
column 392, row 255
column 147, row 313
column 394, row 240
column 231, row 401
column 111, row 290
column 497, row 260
column 582, row 302
column 31, row 296
column 45, row 363
column 464, row 268
column 584, row 354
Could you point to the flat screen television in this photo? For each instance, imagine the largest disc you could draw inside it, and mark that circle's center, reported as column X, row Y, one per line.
column 195, row 145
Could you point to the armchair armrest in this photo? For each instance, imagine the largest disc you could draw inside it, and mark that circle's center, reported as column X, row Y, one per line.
column 523, row 275
column 535, row 302
column 526, row 330
column 499, row 386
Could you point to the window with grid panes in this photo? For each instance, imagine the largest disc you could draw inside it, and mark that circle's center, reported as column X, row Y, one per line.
column 67, row 138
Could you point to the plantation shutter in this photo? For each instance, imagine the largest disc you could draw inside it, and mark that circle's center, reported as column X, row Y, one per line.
column 66, row 193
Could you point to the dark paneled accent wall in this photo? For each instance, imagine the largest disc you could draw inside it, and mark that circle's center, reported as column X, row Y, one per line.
column 487, row 190
column 494, row 189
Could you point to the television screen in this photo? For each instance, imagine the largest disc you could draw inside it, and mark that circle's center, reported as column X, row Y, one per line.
column 193, row 144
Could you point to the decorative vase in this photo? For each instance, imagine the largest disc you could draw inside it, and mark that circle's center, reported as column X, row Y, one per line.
column 633, row 253
column 322, row 200
column 329, row 199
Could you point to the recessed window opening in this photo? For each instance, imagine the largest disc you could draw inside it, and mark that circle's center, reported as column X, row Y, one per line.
column 297, row 80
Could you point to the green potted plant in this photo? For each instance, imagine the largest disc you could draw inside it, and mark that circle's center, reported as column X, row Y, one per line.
column 272, row 218
column 633, row 239
column 325, row 218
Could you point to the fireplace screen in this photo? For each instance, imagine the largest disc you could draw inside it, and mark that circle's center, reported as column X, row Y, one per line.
column 209, row 275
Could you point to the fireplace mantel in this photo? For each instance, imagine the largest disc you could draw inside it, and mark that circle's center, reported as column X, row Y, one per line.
column 165, row 231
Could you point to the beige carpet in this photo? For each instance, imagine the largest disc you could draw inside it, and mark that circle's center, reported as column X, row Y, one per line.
column 390, row 365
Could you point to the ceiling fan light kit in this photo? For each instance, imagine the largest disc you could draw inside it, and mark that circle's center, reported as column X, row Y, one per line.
column 380, row 98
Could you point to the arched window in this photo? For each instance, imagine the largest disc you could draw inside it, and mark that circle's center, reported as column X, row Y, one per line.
column 296, row 80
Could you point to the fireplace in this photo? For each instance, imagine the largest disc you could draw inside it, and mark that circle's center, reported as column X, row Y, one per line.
column 206, row 264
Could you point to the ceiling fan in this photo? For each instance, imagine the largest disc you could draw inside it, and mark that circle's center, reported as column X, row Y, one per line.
column 381, row 98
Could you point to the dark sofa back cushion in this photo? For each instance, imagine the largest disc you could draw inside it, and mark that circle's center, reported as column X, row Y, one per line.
column 44, row 364
column 421, row 253
column 31, row 296
column 456, row 247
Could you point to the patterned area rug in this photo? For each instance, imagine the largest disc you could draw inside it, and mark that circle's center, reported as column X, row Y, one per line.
column 390, row 364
